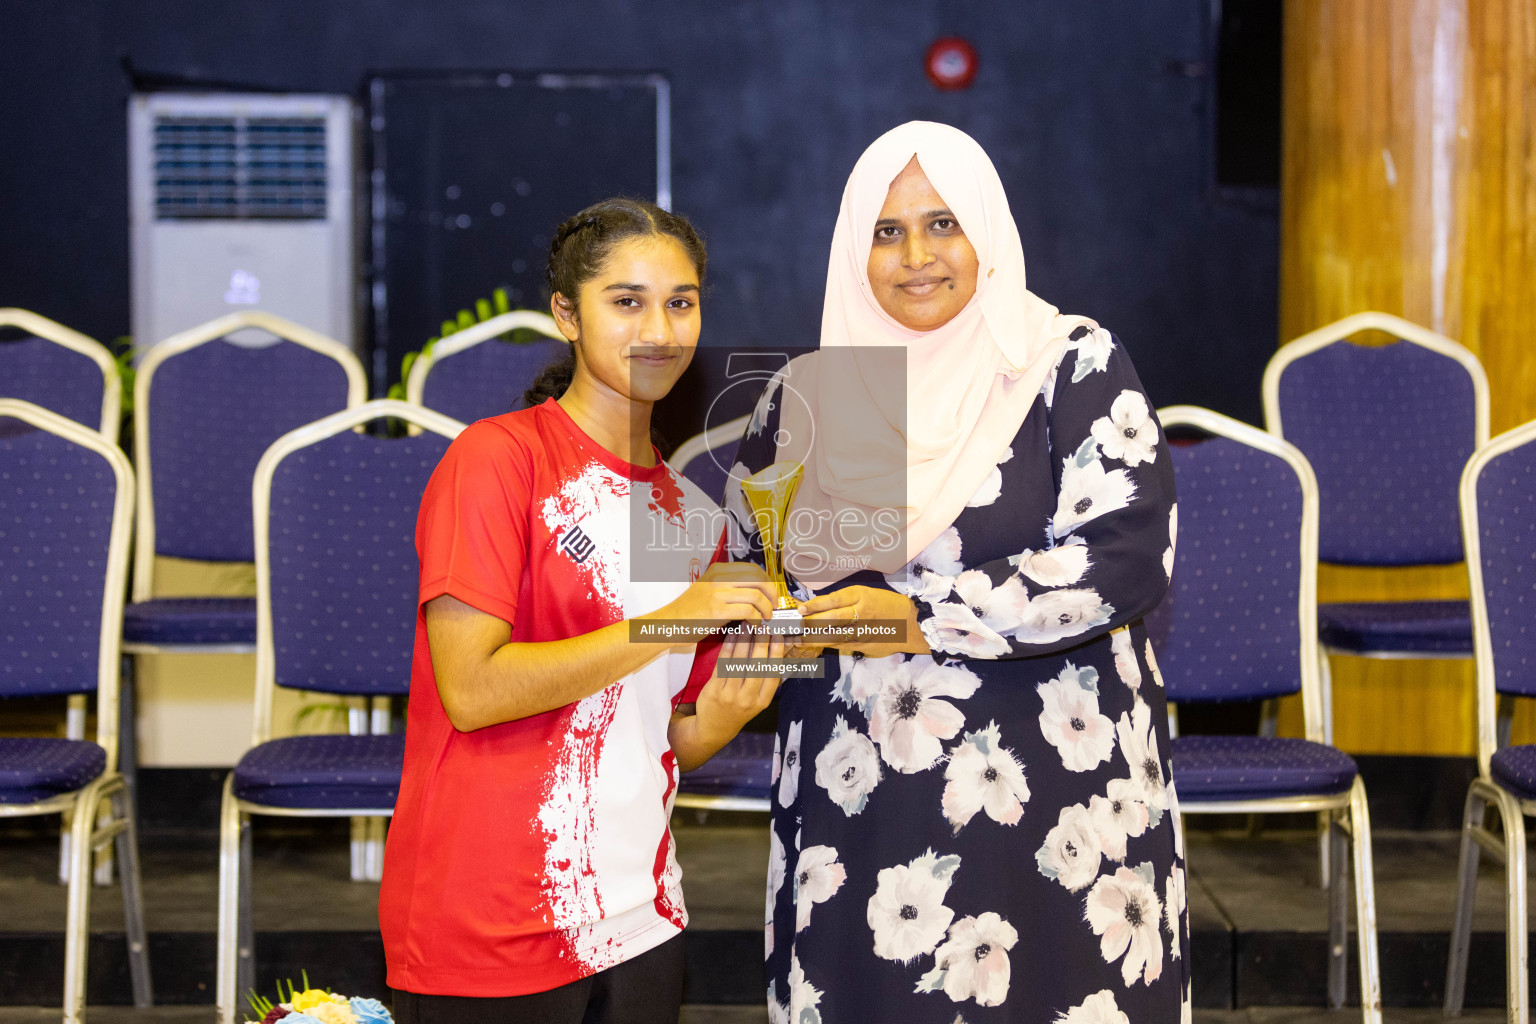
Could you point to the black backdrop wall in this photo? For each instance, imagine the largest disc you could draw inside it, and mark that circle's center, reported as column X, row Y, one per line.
column 1098, row 114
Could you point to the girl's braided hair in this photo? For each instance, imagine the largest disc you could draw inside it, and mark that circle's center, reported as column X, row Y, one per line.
column 581, row 248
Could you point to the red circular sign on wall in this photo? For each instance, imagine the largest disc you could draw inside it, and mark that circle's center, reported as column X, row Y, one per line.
column 951, row 63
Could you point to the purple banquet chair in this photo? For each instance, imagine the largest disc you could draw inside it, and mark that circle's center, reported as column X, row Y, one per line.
column 75, row 376
column 61, row 370
column 205, row 409
column 1387, row 429
column 470, row 375
column 1498, row 494
column 336, row 584
column 1239, row 623
column 66, row 505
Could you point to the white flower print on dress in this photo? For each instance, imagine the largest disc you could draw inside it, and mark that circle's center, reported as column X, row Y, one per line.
column 909, row 718
column 1071, row 720
column 778, row 1013
column 1178, row 821
column 1087, row 492
column 907, row 911
column 1054, row 567
column 1125, row 658
column 973, row 962
column 760, row 411
column 848, row 768
column 999, row 608
column 818, row 876
column 865, row 677
column 776, row 865
column 955, row 629
column 1157, row 677
column 1093, row 346
column 992, row 486
column 774, row 779
column 982, row 775
column 789, row 775
column 1124, row 911
column 803, row 996
column 1128, row 432
column 1071, row 853
column 920, row 584
column 1138, row 743
column 1174, row 902
column 1058, row 614
column 1099, row 1008
column 1173, row 540
column 1119, row 816
column 942, row 555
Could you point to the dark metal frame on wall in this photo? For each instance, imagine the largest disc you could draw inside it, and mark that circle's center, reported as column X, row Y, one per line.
column 471, row 171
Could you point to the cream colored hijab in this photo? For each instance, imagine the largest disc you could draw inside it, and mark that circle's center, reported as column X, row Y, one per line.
column 867, row 441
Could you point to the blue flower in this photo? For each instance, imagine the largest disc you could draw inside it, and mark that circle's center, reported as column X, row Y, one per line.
column 370, row 1011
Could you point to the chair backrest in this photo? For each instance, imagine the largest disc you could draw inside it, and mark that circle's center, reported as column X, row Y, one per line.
column 336, row 568
column 205, row 409
column 1387, row 430
column 706, row 458
column 66, row 508
column 1498, row 521
column 469, row 375
column 1239, row 621
column 61, row 370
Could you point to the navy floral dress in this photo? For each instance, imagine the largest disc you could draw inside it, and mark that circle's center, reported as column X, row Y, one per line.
column 990, row 833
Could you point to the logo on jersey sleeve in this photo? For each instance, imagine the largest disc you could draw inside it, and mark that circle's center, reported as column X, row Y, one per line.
column 575, row 543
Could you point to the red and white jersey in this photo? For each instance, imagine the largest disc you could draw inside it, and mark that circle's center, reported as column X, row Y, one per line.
column 526, row 855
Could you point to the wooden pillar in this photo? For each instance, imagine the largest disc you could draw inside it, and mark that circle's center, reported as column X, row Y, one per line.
column 1408, row 185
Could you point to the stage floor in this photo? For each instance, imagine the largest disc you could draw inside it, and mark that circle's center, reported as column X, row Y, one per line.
column 1257, row 915
column 759, row 1015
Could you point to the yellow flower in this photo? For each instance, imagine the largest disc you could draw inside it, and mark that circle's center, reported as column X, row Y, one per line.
column 310, row 998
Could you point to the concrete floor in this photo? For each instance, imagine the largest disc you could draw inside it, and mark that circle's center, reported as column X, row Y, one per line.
column 1263, row 883
column 1267, row 883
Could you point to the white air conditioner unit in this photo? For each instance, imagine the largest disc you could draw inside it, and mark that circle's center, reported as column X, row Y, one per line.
column 241, row 201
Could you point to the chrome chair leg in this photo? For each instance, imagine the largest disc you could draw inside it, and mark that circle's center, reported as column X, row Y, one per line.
column 245, row 973
column 230, row 821
column 1516, row 922
column 1338, row 912
column 77, row 927
column 1365, row 904
column 133, row 901
column 1473, row 816
column 74, row 729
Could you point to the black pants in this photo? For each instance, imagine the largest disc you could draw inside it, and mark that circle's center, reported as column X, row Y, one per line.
column 645, row 990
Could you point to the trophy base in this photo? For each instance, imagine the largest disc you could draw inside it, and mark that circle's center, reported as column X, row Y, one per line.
column 784, row 622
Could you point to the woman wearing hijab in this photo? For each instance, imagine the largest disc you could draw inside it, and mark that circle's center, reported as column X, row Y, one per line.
column 973, row 820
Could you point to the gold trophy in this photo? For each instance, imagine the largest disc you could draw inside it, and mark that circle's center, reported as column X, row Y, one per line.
column 769, row 495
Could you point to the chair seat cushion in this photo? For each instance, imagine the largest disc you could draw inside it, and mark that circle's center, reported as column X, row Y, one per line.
column 36, row 768
column 1418, row 627
column 323, row 772
column 191, row 620
column 1514, row 768
column 743, row 767
column 1211, row 768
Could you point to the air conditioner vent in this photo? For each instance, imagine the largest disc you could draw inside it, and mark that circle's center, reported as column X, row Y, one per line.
column 240, row 168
